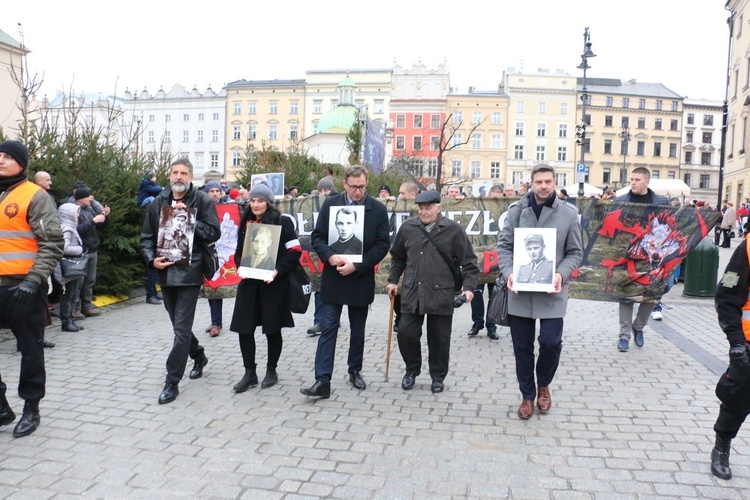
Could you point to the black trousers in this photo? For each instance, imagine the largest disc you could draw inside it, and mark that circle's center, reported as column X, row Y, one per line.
column 247, row 348
column 26, row 321
column 522, row 331
column 180, row 302
column 438, row 343
column 733, row 390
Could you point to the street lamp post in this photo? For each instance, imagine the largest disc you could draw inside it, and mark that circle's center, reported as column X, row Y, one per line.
column 581, row 132
column 625, row 136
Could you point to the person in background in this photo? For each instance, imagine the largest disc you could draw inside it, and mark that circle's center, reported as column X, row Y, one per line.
column 325, row 188
column 455, row 193
column 264, row 303
column 408, row 191
column 728, row 221
column 214, row 191
column 31, row 245
column 88, row 224
column 68, row 213
column 742, row 214
column 147, row 189
column 44, row 181
column 385, row 193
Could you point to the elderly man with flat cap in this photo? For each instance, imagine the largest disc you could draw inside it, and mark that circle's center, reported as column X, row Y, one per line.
column 31, row 245
column 428, row 288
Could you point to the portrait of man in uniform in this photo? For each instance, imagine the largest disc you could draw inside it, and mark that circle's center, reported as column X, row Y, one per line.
column 175, row 240
column 538, row 269
column 346, row 240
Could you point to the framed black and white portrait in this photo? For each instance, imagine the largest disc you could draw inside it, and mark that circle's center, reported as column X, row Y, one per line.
column 276, row 183
column 259, row 251
column 176, row 234
column 534, row 259
column 346, row 231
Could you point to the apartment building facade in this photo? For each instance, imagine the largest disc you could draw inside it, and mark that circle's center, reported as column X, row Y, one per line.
column 701, row 148
column 11, row 59
column 628, row 125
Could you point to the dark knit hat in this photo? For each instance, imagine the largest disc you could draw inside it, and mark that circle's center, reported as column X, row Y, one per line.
column 325, row 183
column 212, row 185
column 262, row 191
column 17, row 151
column 387, row 188
column 82, row 192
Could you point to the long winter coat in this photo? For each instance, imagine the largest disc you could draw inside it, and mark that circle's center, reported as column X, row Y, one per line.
column 73, row 243
column 428, row 282
column 568, row 255
column 266, row 304
column 356, row 289
column 206, row 228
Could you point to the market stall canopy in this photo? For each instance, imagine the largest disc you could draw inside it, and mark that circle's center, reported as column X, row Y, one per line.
column 666, row 187
column 588, row 190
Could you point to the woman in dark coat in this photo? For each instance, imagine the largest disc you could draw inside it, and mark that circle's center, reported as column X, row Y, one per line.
column 264, row 303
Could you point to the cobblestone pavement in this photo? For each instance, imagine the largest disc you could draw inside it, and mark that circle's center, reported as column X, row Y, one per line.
column 623, row 425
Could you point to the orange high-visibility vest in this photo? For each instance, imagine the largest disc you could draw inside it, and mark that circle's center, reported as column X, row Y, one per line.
column 18, row 246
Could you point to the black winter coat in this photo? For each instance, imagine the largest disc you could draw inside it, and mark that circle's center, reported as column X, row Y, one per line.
column 207, row 229
column 356, row 289
column 266, row 304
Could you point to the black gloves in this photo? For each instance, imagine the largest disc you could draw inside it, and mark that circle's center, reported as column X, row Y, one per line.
column 25, row 290
column 739, row 359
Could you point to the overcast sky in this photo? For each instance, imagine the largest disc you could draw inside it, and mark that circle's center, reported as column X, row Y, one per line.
column 103, row 46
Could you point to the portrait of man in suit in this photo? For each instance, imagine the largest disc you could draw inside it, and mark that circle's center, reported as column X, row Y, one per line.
column 262, row 257
column 540, row 269
column 348, row 224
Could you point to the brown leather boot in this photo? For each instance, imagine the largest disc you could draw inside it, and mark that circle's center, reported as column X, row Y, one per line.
column 543, row 399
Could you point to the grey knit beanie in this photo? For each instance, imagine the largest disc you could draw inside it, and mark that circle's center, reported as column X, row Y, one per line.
column 262, row 191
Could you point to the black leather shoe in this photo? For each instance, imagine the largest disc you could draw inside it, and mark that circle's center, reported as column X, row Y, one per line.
column 437, row 386
column 270, row 379
column 6, row 412
column 475, row 329
column 357, row 381
column 70, row 327
column 47, row 344
column 169, row 394
column 249, row 379
column 153, row 301
column 408, row 381
column 493, row 334
column 29, row 420
column 197, row 371
column 318, row 389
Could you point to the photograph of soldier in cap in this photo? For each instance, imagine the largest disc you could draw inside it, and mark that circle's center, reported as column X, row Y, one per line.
column 535, row 270
column 176, row 230
column 276, row 183
column 346, row 232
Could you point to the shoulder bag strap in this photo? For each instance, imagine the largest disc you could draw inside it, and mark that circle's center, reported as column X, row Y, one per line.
column 445, row 257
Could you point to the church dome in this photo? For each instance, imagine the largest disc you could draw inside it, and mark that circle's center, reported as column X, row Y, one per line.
column 339, row 120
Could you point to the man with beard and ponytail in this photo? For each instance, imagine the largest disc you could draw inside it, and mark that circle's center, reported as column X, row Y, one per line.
column 31, row 245
column 180, row 284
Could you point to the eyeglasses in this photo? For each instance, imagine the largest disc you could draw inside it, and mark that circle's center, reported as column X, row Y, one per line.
column 356, row 188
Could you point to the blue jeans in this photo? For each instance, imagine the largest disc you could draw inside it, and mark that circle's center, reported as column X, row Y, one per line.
column 318, row 315
column 324, row 356
column 150, row 282
column 215, row 306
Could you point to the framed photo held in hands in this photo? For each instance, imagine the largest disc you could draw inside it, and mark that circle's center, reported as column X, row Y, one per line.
column 534, row 259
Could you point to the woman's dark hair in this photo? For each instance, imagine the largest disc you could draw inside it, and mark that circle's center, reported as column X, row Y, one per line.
column 272, row 215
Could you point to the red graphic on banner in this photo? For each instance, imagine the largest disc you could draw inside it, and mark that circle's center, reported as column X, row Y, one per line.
column 229, row 219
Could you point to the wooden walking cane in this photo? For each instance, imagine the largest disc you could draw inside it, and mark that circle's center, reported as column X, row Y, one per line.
column 390, row 333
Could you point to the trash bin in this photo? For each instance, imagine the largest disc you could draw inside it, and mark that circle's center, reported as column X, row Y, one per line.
column 702, row 269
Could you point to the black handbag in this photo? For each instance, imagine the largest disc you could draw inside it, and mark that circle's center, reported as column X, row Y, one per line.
column 497, row 309
column 455, row 267
column 300, row 289
column 209, row 259
column 74, row 267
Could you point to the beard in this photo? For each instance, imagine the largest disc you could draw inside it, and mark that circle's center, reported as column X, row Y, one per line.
column 178, row 188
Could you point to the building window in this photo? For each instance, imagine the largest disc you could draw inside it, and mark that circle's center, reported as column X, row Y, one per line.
column 657, row 149
column 705, row 181
column 518, row 152
column 215, row 116
column 378, row 107
column 671, row 174
column 456, row 168
column 150, row 136
column 541, row 129
column 607, row 120
column 607, row 146
column 273, row 132
column 400, row 142
column 435, row 142
column 657, row 124
column 673, row 125
column 458, row 117
column 476, row 118
column 673, row 150
column 689, row 136
column 562, row 130
column 706, row 158
column 432, row 165
column 708, row 120
column 458, row 139
column 641, row 122
column 200, row 136
column 273, row 107
column 587, row 119
column 688, row 158
column 640, row 149
column 675, row 106
column 497, row 117
column 185, row 117
column 476, row 169
column 625, row 102
column 561, row 179
column 562, row 153
column 185, row 136
column 686, row 178
column 563, row 108
column 416, row 143
column 519, row 107
column 476, row 141
column 625, row 121
column 236, row 133
column 252, row 132
column 495, row 169
column 293, row 130
column 658, row 105
column 641, row 103
column 237, row 108
column 495, row 141
column 434, row 121
column 517, row 177
column 167, row 118
column 236, row 158
column 542, row 108
column 707, row 136
column 214, row 136
column 200, row 117
column 199, row 161
column 609, row 101
column 400, row 121
column 214, row 161
column 151, row 118
column 540, row 153
column 167, row 136
column 293, row 107
column 691, row 119
column 417, row 121
column 655, row 174
column 606, row 176
column 519, row 129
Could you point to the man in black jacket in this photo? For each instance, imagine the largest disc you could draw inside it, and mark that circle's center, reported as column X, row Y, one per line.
column 180, row 284
column 346, row 283
column 639, row 193
column 90, row 218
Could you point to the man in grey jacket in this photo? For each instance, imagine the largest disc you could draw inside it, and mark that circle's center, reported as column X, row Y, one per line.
column 540, row 209
column 428, row 287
